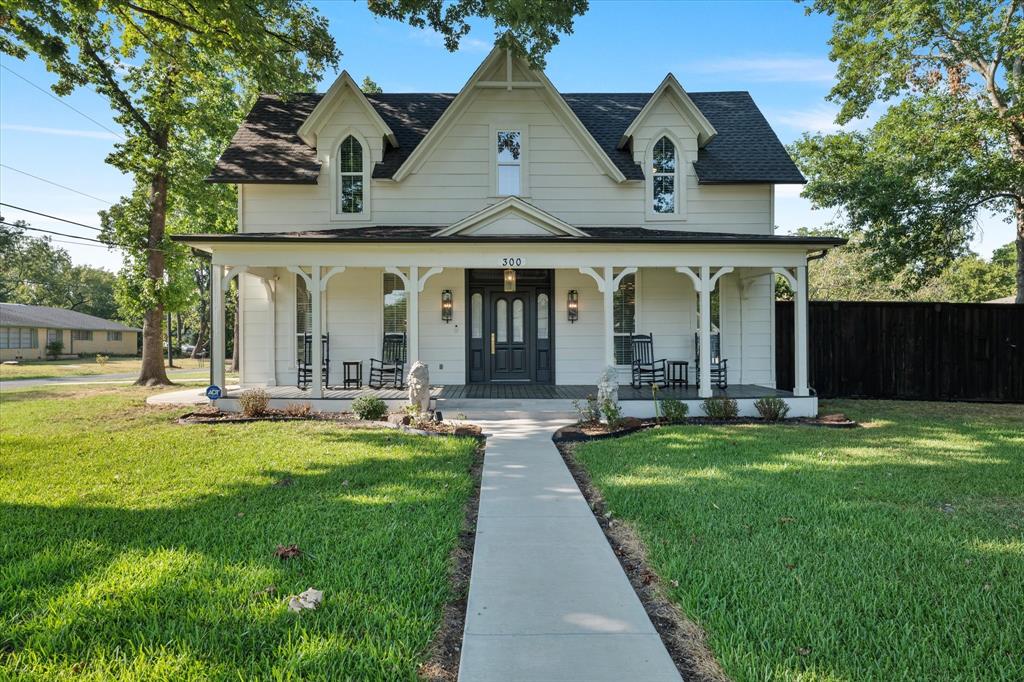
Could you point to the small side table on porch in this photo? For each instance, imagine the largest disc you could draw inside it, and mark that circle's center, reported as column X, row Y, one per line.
column 352, row 376
column 678, row 373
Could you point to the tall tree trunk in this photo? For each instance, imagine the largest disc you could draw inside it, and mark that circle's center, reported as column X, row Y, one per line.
column 1019, row 214
column 152, row 372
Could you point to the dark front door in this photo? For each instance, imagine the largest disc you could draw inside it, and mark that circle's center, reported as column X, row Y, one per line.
column 511, row 341
column 509, row 336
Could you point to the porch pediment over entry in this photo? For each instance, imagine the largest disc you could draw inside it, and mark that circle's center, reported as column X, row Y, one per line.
column 511, row 217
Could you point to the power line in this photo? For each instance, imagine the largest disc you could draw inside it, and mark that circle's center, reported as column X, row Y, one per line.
column 55, row 184
column 47, row 92
column 52, row 217
column 59, row 234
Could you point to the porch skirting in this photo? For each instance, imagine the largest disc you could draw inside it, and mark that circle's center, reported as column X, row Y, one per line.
column 480, row 400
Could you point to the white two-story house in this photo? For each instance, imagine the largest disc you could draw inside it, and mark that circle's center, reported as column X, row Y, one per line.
column 513, row 237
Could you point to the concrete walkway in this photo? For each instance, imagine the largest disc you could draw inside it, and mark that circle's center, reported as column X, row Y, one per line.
column 548, row 599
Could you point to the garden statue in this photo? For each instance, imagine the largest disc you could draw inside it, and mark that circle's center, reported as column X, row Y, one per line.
column 608, row 386
column 419, row 386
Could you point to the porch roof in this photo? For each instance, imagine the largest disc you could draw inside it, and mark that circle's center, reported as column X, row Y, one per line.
column 398, row 234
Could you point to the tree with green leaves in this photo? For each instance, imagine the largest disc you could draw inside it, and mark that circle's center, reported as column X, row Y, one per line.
column 35, row 272
column 179, row 75
column 950, row 146
column 370, row 87
column 527, row 27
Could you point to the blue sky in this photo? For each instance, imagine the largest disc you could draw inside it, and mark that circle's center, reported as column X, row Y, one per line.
column 768, row 48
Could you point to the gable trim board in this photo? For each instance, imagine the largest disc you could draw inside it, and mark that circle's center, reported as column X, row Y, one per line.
column 705, row 131
column 321, row 112
column 543, row 223
column 468, row 93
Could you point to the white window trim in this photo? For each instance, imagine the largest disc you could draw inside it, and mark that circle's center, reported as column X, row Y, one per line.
column 335, row 176
column 680, row 184
column 637, row 317
column 524, row 158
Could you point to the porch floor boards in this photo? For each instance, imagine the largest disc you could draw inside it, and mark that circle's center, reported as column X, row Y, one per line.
column 520, row 392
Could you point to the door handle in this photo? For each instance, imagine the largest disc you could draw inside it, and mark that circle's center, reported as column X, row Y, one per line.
column 492, row 343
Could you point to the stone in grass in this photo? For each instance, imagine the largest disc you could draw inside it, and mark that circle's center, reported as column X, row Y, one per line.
column 309, row 600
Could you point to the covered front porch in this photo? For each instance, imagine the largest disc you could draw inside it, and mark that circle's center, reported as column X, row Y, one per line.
column 576, row 300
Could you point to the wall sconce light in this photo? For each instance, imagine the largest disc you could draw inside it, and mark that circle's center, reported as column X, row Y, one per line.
column 572, row 305
column 510, row 280
column 446, row 305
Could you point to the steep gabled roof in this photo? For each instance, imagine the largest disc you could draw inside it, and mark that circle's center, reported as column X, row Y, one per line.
column 18, row 315
column 310, row 128
column 670, row 87
column 267, row 148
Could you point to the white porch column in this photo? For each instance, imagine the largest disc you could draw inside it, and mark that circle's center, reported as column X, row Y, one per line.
column 704, row 388
column 609, row 318
column 271, row 289
column 413, row 312
column 318, row 331
column 800, row 333
column 218, row 348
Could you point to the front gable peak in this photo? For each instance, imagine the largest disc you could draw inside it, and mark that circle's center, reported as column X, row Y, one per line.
column 502, row 69
column 343, row 86
column 511, row 217
column 670, row 87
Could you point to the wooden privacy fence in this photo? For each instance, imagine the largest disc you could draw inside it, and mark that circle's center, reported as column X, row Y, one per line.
column 913, row 351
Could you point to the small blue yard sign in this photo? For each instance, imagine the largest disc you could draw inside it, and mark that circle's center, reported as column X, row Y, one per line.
column 213, row 392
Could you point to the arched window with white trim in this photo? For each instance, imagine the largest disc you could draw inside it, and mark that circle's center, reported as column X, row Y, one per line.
column 664, row 178
column 351, row 180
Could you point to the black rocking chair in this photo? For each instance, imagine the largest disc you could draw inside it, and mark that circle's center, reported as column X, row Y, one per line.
column 305, row 361
column 719, row 369
column 646, row 370
column 390, row 368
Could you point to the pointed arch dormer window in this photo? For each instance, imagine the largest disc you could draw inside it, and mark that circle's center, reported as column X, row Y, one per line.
column 351, row 177
column 664, row 178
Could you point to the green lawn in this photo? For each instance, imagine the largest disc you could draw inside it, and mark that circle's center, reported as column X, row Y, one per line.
column 889, row 552
column 135, row 548
column 87, row 366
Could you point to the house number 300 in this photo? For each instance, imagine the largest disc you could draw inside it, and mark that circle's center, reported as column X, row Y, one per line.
column 511, row 262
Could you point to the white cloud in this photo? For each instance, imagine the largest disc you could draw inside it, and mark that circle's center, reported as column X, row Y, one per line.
column 772, row 69
column 819, row 118
column 66, row 132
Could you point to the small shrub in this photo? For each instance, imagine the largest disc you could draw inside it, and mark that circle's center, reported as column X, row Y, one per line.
column 54, row 348
column 612, row 413
column 101, row 359
column 674, row 411
column 254, row 402
column 297, row 410
column 369, row 408
column 721, row 408
column 588, row 410
column 772, row 409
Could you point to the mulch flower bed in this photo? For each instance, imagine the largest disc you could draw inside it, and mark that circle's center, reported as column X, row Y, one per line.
column 585, row 431
column 346, row 419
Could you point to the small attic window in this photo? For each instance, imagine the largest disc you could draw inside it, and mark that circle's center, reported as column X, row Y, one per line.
column 510, row 152
column 663, row 175
column 350, row 176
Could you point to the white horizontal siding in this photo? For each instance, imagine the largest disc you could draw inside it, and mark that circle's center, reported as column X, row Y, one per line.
column 455, row 179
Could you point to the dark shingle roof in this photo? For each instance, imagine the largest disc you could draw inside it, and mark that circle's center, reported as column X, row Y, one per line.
column 18, row 315
column 425, row 233
column 267, row 148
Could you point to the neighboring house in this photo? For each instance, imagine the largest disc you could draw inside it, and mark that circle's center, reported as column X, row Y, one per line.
column 26, row 330
column 604, row 213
